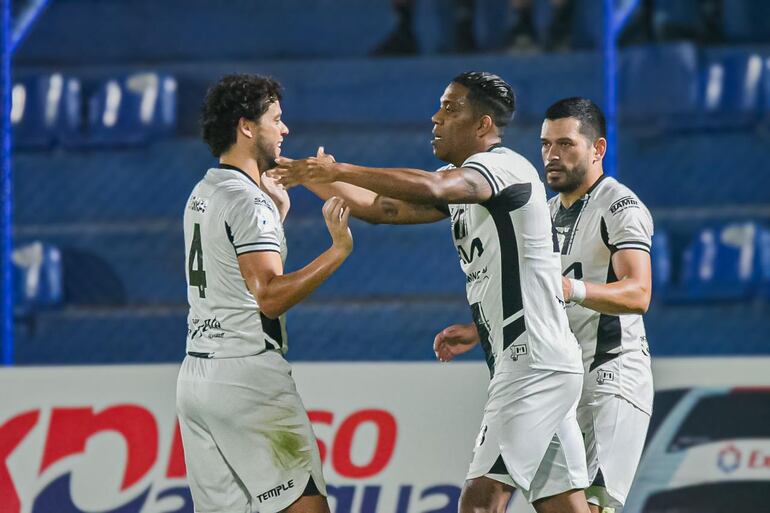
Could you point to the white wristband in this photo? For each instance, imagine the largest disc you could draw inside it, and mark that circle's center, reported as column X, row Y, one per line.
column 578, row 291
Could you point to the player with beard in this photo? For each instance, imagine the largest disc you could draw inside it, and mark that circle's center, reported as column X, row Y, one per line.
column 248, row 442
column 605, row 234
column 501, row 226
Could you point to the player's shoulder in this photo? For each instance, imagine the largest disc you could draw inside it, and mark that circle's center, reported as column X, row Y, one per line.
column 500, row 157
column 614, row 196
column 236, row 193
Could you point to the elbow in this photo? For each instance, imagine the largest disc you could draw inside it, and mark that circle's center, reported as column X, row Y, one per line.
column 641, row 302
column 270, row 308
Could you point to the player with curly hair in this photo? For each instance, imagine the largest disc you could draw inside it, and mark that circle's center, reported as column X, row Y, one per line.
column 248, row 442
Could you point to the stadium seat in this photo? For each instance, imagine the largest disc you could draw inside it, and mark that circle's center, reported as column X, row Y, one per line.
column 37, row 273
column 730, row 89
column 723, row 263
column 644, row 97
column 45, row 109
column 661, row 264
column 132, row 109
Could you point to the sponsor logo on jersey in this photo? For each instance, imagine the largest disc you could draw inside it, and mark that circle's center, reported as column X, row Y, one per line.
column 603, row 376
column 623, row 203
column 459, row 225
column 477, row 275
column 518, row 351
column 277, row 491
column 262, row 202
column 198, row 204
column 200, row 327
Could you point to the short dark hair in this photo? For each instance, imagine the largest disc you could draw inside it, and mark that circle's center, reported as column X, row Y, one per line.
column 232, row 98
column 489, row 94
column 592, row 122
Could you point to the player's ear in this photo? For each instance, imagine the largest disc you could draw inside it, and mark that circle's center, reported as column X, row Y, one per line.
column 600, row 148
column 485, row 125
column 246, row 127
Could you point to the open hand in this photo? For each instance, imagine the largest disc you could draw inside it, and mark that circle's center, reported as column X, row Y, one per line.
column 336, row 214
column 318, row 169
column 277, row 193
column 454, row 340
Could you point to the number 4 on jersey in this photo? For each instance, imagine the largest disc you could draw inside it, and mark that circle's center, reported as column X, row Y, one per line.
column 197, row 275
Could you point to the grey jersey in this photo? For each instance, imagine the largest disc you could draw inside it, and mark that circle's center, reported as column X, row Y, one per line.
column 228, row 215
column 608, row 218
column 509, row 255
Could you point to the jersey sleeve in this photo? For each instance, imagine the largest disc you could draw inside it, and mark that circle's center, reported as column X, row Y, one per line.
column 252, row 224
column 629, row 224
column 487, row 164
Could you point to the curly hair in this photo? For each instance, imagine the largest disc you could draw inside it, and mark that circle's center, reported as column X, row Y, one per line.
column 489, row 94
column 232, row 98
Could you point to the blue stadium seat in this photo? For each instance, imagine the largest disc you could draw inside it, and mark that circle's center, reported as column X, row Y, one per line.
column 764, row 256
column 730, row 89
column 133, row 109
column 723, row 263
column 37, row 274
column 658, row 82
column 46, row 109
column 661, row 264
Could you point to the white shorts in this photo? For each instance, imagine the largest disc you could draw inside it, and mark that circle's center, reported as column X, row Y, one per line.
column 529, row 436
column 248, row 442
column 614, row 431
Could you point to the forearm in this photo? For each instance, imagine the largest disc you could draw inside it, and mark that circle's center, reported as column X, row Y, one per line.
column 375, row 208
column 621, row 297
column 285, row 291
column 363, row 203
column 399, row 183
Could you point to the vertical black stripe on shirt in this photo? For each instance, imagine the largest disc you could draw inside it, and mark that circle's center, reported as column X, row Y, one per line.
column 272, row 328
column 500, row 208
column 482, row 327
column 609, row 333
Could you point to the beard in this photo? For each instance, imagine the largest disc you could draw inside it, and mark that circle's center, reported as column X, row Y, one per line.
column 265, row 157
column 572, row 178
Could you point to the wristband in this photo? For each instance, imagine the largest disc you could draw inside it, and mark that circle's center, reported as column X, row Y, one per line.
column 578, row 291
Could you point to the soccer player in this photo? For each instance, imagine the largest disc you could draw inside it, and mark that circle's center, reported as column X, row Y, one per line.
column 502, row 229
column 605, row 235
column 248, row 441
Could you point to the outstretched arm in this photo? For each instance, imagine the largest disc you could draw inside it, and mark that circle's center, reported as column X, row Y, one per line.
column 374, row 208
column 459, row 185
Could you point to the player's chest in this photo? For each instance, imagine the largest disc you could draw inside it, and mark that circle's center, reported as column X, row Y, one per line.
column 473, row 233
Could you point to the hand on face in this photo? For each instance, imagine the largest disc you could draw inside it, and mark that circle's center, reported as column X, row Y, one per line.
column 318, row 169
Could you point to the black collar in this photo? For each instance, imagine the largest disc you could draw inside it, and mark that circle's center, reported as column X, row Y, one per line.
column 234, row 168
column 496, row 145
column 596, row 184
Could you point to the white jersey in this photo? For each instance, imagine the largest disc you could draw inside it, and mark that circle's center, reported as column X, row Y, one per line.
column 608, row 218
column 228, row 215
column 511, row 262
